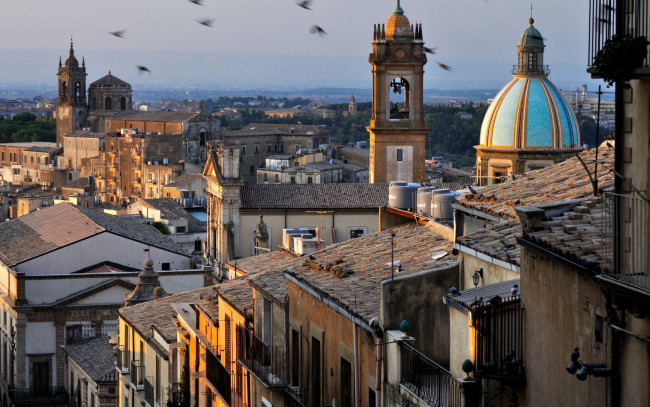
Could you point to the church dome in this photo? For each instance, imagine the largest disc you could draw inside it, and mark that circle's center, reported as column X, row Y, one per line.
column 398, row 24
column 529, row 113
column 531, row 36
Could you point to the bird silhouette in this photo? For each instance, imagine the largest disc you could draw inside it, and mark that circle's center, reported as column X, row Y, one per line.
column 514, row 290
column 472, row 190
column 206, row 21
column 507, row 254
column 453, row 290
column 304, row 4
column 317, row 30
column 312, row 257
column 477, row 301
column 445, row 67
column 142, row 68
column 507, row 245
column 431, row 51
column 198, row 2
column 118, row 33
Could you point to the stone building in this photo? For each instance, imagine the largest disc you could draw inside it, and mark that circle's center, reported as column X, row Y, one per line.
column 529, row 125
column 71, row 106
column 106, row 96
column 397, row 129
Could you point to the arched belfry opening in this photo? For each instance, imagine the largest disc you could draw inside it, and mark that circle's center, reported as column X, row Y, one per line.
column 399, row 91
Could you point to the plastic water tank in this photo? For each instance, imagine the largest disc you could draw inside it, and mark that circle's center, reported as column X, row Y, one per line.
column 424, row 200
column 401, row 194
column 441, row 204
column 90, row 179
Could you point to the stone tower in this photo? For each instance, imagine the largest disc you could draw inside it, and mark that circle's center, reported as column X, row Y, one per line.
column 397, row 129
column 71, row 107
column 352, row 105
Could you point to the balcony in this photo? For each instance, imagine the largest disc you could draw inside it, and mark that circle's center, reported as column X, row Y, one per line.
column 634, row 17
column 292, row 397
column 218, row 376
column 632, row 265
column 265, row 362
column 122, row 359
column 148, row 390
column 428, row 380
column 530, row 70
column 137, row 374
column 38, row 396
column 499, row 342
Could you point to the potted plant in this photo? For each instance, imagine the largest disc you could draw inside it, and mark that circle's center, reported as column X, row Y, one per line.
column 618, row 58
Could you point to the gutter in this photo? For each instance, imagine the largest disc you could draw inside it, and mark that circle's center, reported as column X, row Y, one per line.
column 479, row 214
column 490, row 259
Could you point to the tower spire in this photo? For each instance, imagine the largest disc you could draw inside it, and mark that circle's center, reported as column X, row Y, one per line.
column 398, row 9
column 71, row 47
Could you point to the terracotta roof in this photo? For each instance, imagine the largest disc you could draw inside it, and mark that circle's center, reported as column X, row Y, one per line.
column 314, row 196
column 56, row 226
column 351, row 273
column 264, row 272
column 579, row 234
column 160, row 313
column 238, row 294
column 560, row 182
column 154, row 116
column 497, row 240
column 95, row 356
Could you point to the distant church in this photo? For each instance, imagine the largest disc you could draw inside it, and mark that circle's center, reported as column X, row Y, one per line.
column 529, row 125
column 397, row 129
column 107, row 95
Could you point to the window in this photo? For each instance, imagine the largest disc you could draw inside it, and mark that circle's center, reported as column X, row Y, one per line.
column 295, row 358
column 293, row 180
column 32, row 157
column 346, row 383
column 277, row 178
column 310, row 180
column 268, row 148
column 399, row 154
column 243, row 149
column 532, row 60
column 353, row 232
column 372, row 398
column 198, row 245
column 282, row 148
column 266, row 177
column 257, row 148
column 165, row 266
column 108, row 104
column 180, row 229
column 252, row 170
column 123, row 103
column 315, row 372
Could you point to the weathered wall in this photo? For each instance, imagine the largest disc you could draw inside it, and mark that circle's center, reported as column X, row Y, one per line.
column 492, row 273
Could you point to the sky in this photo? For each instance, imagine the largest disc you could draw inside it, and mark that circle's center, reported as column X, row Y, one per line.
column 267, row 42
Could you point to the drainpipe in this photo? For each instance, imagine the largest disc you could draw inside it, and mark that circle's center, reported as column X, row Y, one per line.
column 378, row 368
column 286, row 339
column 356, row 365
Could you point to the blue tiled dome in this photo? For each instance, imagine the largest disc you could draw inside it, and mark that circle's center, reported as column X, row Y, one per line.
column 529, row 112
column 531, row 36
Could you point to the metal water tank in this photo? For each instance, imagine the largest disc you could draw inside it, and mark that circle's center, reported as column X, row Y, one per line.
column 401, row 194
column 424, row 200
column 441, row 204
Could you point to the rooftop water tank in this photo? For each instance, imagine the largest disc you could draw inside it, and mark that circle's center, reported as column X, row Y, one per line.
column 401, row 194
column 441, row 204
column 424, row 200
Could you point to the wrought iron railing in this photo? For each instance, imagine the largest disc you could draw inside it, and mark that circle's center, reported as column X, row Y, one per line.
column 631, row 265
column 635, row 20
column 122, row 359
column 293, row 397
column 264, row 361
column 499, row 340
column 38, row 394
column 428, row 380
column 148, row 390
column 218, row 376
column 137, row 374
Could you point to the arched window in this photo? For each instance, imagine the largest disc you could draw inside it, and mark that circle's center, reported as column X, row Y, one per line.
column 108, row 104
column 202, row 134
column 399, row 109
column 123, row 103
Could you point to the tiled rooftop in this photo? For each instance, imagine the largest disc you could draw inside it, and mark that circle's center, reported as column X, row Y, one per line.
column 579, row 234
column 484, row 295
column 498, row 241
column 264, row 272
column 160, row 313
column 351, row 273
column 170, row 209
column 560, row 182
column 56, row 226
column 238, row 294
column 185, row 179
column 95, row 356
column 314, row 196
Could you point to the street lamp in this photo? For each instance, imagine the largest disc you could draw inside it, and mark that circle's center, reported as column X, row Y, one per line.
column 478, row 274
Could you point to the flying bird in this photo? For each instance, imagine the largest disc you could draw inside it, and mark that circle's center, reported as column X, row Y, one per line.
column 304, row 4
column 445, row 67
column 206, row 21
column 317, row 30
column 199, row 2
column 118, row 34
column 142, row 68
column 431, row 51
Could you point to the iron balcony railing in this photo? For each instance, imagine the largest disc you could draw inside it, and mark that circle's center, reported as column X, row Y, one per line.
column 148, row 390
column 634, row 17
column 292, row 397
column 218, row 376
column 428, row 380
column 499, row 340
column 122, row 359
column 631, row 265
column 137, row 374
column 530, row 70
column 266, row 362
column 39, row 395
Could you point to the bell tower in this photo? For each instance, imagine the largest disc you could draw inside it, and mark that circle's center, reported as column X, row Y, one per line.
column 71, row 107
column 397, row 129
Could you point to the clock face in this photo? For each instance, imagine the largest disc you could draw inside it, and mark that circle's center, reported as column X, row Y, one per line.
column 399, row 53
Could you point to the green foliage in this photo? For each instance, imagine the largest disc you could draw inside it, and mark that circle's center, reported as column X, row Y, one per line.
column 619, row 56
column 27, row 127
column 161, row 227
column 451, row 135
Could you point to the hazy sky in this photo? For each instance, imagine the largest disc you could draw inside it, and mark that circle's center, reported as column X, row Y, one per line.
column 263, row 32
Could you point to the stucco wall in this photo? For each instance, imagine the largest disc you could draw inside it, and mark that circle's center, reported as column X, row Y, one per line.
column 492, row 273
